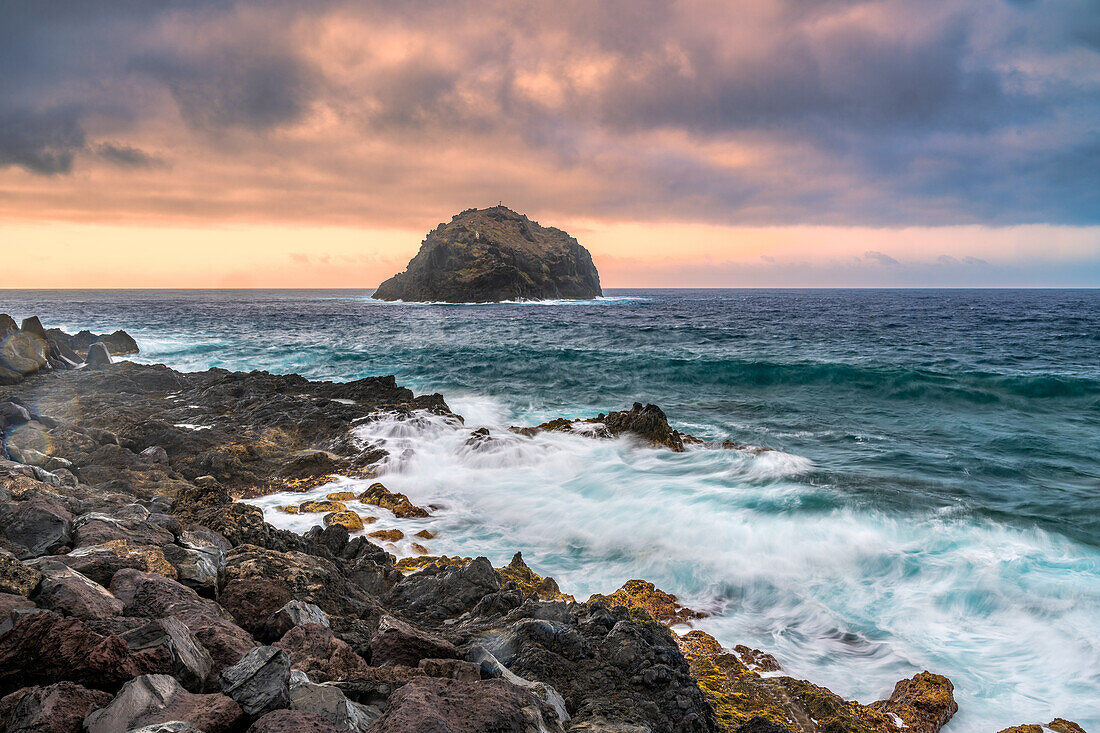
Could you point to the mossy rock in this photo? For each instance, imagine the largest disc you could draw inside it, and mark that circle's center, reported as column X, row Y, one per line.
column 349, row 519
column 341, row 496
column 317, row 507
column 388, row 535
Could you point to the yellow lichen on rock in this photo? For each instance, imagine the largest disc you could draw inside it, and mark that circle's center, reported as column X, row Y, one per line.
column 420, row 549
column 529, row 582
column 341, row 496
column 289, row 509
column 322, row 506
column 399, row 504
column 348, row 519
column 425, row 535
column 412, row 564
column 388, row 535
column 642, row 594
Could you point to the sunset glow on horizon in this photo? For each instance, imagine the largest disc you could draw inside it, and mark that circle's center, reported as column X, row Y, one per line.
column 702, row 143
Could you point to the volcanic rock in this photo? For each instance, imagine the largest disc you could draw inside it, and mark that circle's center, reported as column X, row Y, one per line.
column 492, row 255
column 294, row 613
column 169, row 646
column 642, row 594
column 158, row 698
column 329, row 702
column 399, row 643
column 57, row 708
column 315, row 650
column 260, row 682
column 70, row 593
column 15, row 577
column 299, row 721
column 36, row 527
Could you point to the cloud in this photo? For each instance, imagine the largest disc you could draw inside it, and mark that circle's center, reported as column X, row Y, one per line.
column 127, row 156
column 42, row 142
column 879, row 258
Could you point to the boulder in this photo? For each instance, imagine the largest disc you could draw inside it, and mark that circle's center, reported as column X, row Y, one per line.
column 43, row 648
column 70, row 593
column 57, row 708
column 294, row 613
column 399, row 643
column 101, row 562
column 924, row 703
column 155, row 454
column 439, row 592
column 494, row 254
column 169, row 646
column 172, row 726
column 38, row 526
column 153, row 699
column 195, row 568
column 298, row 721
column 15, row 577
column 315, row 650
column 99, row 528
column 260, row 682
column 252, row 601
column 453, row 706
column 455, row 669
column 10, row 602
column 528, row 581
column 378, row 495
column 98, row 356
column 641, row 594
column 348, row 519
column 329, row 702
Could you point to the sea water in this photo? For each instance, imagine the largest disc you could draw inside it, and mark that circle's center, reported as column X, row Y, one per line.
column 932, row 499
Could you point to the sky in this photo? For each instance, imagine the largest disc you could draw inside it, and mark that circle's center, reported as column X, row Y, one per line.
column 710, row 143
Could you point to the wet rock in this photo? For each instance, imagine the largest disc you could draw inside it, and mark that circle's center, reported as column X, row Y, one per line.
column 70, row 593
column 322, row 506
column 260, row 682
column 341, row 496
column 294, row 613
column 252, row 601
column 15, row 577
column 399, row 643
column 450, row 706
column 642, row 594
column 437, row 593
column 647, row 422
column 101, row 562
column 348, row 519
column 36, row 527
column 757, row 660
column 43, row 648
column 57, row 708
column 378, row 495
column 98, row 356
column 299, row 721
column 529, row 582
column 315, row 650
column 156, row 699
column 167, row 645
column 387, row 535
column 924, row 702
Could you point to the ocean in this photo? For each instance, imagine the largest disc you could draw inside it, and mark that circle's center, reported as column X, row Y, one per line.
column 932, row 500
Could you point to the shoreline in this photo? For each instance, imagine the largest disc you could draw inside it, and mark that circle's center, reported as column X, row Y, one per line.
column 286, row 431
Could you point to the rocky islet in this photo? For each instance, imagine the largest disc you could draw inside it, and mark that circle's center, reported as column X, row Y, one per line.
column 136, row 594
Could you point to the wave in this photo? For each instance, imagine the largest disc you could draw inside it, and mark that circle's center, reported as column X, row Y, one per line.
column 843, row 594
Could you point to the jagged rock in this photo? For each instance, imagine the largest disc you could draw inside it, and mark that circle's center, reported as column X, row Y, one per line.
column 388, row 535
column 98, row 528
column 172, row 726
column 642, row 594
column 195, row 568
column 436, row 593
column 155, row 454
column 491, row 255
column 647, row 422
column 68, row 592
column 318, row 507
column 21, row 353
column 260, row 682
column 15, row 577
column 252, row 601
column 169, row 646
column 39, row 526
column 451, row 706
column 924, row 703
column 315, row 650
column 294, row 613
column 153, row 596
column 399, row 643
column 530, row 582
column 10, row 602
column 455, row 669
column 1059, row 725
column 757, row 660
column 157, row 698
column 348, row 519
column 330, row 703
column 98, row 356
column 298, row 721
column 42, row 648
column 378, row 495
column 57, row 708
column 101, row 562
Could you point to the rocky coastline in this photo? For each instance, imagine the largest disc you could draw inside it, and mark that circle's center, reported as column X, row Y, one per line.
column 138, row 594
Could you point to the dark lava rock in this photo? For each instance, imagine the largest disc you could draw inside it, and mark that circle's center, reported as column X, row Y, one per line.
column 169, row 646
column 451, row 706
column 294, row 613
column 298, row 721
column 329, row 702
column 760, row 724
column 647, row 422
column 158, row 698
column 42, row 648
column 252, row 601
column 315, row 650
column 98, row 356
column 399, row 643
column 68, row 592
column 494, row 254
column 436, row 593
column 260, row 682
column 39, row 526
column 56, row 708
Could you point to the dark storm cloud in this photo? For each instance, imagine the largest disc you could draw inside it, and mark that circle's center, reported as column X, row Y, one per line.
column 879, row 112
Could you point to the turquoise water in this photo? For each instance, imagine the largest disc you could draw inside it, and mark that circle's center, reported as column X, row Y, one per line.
column 933, row 500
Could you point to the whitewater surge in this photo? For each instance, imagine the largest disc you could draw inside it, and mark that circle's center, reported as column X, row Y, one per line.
column 848, row 598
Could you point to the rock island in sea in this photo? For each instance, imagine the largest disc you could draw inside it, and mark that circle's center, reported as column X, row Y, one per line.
column 137, row 594
column 492, row 255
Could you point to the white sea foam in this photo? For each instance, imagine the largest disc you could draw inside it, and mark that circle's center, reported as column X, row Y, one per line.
column 845, row 596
